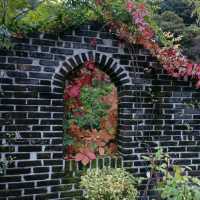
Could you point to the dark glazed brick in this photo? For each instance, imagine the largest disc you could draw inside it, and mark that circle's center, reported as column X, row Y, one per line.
column 35, row 191
column 62, row 51
column 18, row 171
column 45, row 49
column 41, row 128
column 83, row 46
column 29, row 148
column 38, row 102
column 29, row 163
column 53, row 162
column 36, row 177
column 43, row 156
column 47, row 196
column 71, row 38
column 25, row 47
column 5, row 179
column 19, row 156
column 59, row 57
column 51, row 122
column 50, row 96
column 43, row 42
column 40, row 75
column 7, row 66
column 27, row 81
column 21, row 185
column 48, row 69
column 6, row 81
column 107, row 49
column 16, row 60
column 50, row 36
column 21, row 54
column 47, row 183
column 41, row 55
column 34, row 34
column 16, row 74
column 33, row 94
column 26, row 121
column 18, row 128
column 41, row 169
column 53, row 134
column 2, row 59
column 54, row 148
column 39, row 115
column 4, row 52
column 28, row 67
column 10, row 193
column 13, row 101
column 26, row 108
column 49, row 63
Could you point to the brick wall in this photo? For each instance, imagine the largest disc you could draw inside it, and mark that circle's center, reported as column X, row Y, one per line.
column 153, row 109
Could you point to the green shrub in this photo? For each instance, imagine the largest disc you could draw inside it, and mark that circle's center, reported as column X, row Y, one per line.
column 109, row 184
column 176, row 186
column 171, row 180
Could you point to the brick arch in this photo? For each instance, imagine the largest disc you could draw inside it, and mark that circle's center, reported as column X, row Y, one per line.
column 106, row 63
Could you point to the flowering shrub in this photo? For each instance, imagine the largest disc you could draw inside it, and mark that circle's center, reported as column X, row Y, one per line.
column 109, row 184
column 91, row 115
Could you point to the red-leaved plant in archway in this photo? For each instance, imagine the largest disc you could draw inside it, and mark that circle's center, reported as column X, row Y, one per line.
column 91, row 115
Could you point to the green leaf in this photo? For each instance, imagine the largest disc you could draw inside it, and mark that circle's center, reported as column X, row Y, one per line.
column 68, row 140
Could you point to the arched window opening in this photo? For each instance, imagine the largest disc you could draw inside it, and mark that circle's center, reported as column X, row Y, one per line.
column 90, row 124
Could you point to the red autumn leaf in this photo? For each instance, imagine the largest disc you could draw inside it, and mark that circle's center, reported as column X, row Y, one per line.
column 83, row 158
column 86, row 80
column 90, row 65
column 130, row 6
column 190, row 69
column 73, row 91
column 89, row 154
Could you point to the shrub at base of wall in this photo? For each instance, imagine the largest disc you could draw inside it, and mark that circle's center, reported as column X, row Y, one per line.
column 74, row 170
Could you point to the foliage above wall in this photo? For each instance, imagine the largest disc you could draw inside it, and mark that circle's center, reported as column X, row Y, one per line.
column 91, row 114
column 130, row 20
